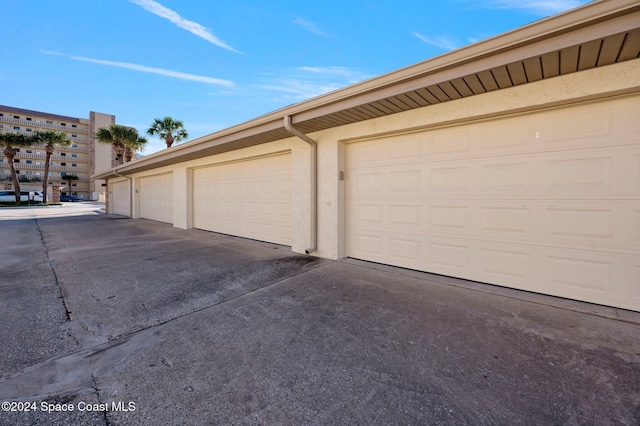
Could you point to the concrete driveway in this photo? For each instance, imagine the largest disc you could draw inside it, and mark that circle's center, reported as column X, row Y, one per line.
column 113, row 321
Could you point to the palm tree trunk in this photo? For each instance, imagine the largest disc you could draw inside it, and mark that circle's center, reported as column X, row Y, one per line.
column 119, row 149
column 10, row 154
column 169, row 140
column 45, row 181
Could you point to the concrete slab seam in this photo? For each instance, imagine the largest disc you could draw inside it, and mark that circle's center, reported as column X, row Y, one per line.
column 53, row 271
column 158, row 324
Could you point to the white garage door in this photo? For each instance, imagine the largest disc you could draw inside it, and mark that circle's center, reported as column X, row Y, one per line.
column 250, row 198
column 119, row 198
column 547, row 202
column 156, row 197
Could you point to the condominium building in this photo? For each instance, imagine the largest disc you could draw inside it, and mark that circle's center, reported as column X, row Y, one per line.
column 83, row 158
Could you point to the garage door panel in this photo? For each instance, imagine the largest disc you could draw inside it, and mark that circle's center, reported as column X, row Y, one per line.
column 506, row 265
column 504, row 176
column 120, row 198
column 156, row 197
column 576, row 124
column 502, row 134
column 450, row 257
column 250, row 198
column 505, row 221
column 580, row 272
column 539, row 207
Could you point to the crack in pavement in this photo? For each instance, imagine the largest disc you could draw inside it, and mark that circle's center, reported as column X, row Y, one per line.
column 53, row 271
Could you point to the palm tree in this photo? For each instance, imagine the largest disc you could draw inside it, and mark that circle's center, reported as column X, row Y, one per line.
column 69, row 179
column 9, row 141
column 168, row 129
column 119, row 137
column 133, row 145
column 51, row 139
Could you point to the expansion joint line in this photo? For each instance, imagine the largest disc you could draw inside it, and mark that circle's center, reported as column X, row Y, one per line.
column 100, row 401
column 55, row 275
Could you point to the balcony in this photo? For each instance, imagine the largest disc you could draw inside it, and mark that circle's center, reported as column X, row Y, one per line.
column 81, row 160
column 40, row 124
column 81, row 167
column 79, row 139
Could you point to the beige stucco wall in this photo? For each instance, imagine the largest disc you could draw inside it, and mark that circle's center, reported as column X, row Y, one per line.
column 577, row 87
column 101, row 152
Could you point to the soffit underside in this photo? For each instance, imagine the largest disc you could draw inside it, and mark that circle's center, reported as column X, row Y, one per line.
column 596, row 53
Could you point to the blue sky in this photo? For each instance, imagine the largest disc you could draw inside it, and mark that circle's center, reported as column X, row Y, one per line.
column 214, row 64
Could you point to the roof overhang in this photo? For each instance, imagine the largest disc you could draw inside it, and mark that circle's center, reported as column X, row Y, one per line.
column 597, row 34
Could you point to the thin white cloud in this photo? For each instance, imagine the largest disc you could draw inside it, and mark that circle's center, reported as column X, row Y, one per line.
column 309, row 26
column 351, row 76
column 143, row 68
column 301, row 90
column 437, row 41
column 540, row 7
column 313, row 81
column 175, row 18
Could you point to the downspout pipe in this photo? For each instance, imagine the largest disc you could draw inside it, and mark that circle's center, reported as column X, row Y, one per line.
column 115, row 172
column 313, row 208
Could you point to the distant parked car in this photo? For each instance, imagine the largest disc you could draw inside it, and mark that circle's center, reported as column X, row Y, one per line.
column 24, row 196
column 68, row 198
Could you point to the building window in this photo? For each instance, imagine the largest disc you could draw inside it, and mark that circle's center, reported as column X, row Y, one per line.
column 73, row 165
column 63, row 173
column 1, row 126
column 28, row 118
column 17, row 117
column 73, row 125
column 74, row 145
column 49, row 122
column 38, row 163
column 1, row 160
column 63, row 154
column 16, row 127
column 63, row 164
column 63, row 124
column 74, row 136
column 17, row 149
column 74, row 155
column 28, row 130
column 28, row 161
column 29, row 151
column 37, row 173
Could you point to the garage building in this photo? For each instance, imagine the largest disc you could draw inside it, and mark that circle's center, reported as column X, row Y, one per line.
column 514, row 161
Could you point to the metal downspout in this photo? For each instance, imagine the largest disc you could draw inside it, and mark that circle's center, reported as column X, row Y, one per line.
column 313, row 184
column 115, row 172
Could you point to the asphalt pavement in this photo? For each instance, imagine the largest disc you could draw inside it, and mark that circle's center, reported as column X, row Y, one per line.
column 113, row 321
